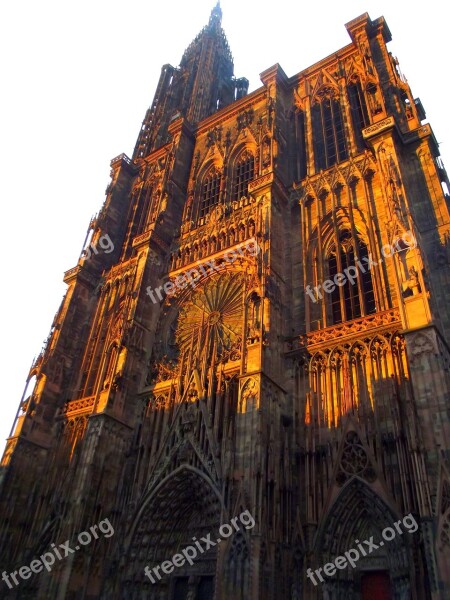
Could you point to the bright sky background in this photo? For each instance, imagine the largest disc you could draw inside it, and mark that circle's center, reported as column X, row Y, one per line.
column 77, row 78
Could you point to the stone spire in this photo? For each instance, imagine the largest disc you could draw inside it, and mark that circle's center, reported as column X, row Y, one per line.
column 203, row 83
column 216, row 16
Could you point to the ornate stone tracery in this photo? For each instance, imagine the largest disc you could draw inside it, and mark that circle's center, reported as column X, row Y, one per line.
column 213, row 317
column 354, row 460
column 190, row 374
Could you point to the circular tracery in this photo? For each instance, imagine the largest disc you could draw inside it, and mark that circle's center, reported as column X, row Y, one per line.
column 212, row 316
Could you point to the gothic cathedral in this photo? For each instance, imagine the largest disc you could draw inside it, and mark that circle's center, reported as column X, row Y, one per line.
column 258, row 326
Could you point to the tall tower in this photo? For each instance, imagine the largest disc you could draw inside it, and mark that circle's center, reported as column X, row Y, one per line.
column 201, row 85
column 251, row 360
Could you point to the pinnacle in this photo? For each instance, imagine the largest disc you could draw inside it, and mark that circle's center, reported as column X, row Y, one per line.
column 216, row 15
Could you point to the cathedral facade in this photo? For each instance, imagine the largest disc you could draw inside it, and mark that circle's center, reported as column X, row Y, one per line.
column 251, row 359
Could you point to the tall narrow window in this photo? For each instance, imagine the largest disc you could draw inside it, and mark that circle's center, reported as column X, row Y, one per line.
column 330, row 145
column 351, row 293
column 210, row 192
column 350, row 300
column 301, row 145
column 366, row 280
column 243, row 174
column 141, row 216
column 358, row 109
column 335, row 295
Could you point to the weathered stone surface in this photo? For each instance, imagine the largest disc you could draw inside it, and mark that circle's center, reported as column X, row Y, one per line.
column 212, row 360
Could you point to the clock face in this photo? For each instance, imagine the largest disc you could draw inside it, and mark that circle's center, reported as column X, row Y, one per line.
column 212, row 317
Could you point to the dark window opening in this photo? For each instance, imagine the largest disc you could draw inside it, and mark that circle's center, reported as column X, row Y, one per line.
column 243, row 174
column 301, row 145
column 358, row 109
column 210, row 193
column 330, row 144
column 351, row 292
column 335, row 295
column 350, row 300
column 366, row 278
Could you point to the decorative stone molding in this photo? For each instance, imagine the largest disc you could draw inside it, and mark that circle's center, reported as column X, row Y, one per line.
column 383, row 125
column 382, row 321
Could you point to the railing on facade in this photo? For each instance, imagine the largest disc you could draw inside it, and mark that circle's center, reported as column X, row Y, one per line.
column 121, row 157
column 370, row 323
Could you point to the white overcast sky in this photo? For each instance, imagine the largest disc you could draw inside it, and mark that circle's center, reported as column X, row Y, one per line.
column 77, row 78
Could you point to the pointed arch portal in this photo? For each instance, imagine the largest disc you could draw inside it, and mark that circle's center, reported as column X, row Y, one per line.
column 184, row 506
column 385, row 573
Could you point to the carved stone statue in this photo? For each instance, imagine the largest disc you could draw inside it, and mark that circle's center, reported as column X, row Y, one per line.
column 266, row 153
column 412, row 285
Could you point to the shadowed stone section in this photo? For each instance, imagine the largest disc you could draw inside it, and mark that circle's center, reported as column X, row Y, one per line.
column 235, row 388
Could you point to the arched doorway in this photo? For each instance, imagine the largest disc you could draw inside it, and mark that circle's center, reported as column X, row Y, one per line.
column 181, row 510
column 358, row 516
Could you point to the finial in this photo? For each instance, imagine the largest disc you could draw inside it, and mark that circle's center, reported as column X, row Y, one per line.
column 216, row 15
